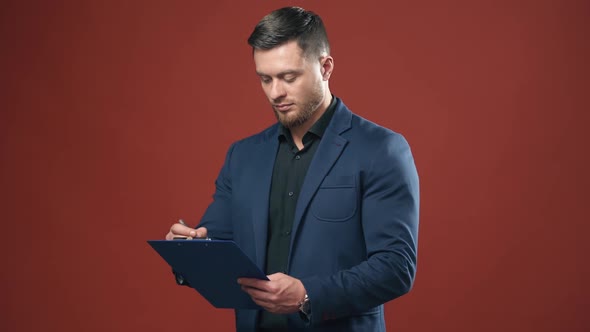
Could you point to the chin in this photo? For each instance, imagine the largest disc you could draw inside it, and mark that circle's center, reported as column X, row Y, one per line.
column 286, row 120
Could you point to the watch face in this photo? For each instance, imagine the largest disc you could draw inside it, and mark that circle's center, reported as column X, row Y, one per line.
column 305, row 306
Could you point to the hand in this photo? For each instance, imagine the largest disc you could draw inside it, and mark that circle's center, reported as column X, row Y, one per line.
column 178, row 230
column 281, row 295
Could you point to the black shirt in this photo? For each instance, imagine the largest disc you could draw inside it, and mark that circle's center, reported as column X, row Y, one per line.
column 289, row 171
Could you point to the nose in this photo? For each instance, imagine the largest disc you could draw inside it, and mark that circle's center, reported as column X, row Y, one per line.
column 277, row 90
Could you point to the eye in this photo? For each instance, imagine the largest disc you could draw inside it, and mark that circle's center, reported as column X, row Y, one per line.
column 265, row 79
column 290, row 79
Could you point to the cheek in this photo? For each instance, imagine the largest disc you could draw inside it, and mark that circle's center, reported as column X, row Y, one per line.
column 266, row 90
column 306, row 90
column 299, row 89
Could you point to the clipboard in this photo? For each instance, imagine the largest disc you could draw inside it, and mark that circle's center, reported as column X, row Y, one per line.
column 212, row 268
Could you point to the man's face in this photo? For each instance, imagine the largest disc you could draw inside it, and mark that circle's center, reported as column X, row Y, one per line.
column 292, row 83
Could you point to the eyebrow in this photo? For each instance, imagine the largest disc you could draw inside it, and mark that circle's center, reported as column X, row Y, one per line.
column 283, row 73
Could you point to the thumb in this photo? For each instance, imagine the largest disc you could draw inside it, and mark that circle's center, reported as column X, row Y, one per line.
column 200, row 232
column 275, row 276
column 182, row 230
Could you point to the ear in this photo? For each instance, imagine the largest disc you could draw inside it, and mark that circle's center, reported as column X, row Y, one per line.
column 327, row 63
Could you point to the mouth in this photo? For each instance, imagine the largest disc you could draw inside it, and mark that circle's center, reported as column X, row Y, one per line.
column 283, row 107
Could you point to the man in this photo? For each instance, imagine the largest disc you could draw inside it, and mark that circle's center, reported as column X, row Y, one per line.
column 325, row 201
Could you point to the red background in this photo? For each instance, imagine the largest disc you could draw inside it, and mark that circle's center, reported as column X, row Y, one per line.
column 115, row 118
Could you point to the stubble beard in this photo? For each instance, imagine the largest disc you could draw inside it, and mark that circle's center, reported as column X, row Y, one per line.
column 295, row 120
column 306, row 111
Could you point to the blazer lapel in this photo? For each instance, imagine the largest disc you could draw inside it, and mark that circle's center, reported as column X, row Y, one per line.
column 265, row 155
column 331, row 146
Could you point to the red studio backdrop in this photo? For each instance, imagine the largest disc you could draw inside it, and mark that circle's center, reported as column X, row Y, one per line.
column 115, row 117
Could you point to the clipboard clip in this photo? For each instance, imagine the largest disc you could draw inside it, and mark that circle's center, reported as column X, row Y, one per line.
column 194, row 238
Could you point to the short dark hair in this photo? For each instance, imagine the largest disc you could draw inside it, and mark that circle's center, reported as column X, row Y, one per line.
column 287, row 24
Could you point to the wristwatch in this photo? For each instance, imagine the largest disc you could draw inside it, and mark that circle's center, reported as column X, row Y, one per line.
column 305, row 307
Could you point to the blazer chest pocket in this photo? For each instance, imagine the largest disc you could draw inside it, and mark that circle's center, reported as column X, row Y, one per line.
column 336, row 199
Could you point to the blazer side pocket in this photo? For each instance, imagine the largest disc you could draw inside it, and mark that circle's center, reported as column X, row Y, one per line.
column 336, row 200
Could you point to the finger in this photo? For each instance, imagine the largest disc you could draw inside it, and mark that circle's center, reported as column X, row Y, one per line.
column 261, row 298
column 201, row 232
column 276, row 276
column 256, row 293
column 181, row 230
column 265, row 305
column 254, row 283
column 269, row 306
column 172, row 236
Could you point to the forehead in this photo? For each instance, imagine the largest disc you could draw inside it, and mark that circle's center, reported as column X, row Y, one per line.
column 285, row 57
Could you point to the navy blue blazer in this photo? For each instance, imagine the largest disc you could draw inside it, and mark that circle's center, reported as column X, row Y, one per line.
column 355, row 232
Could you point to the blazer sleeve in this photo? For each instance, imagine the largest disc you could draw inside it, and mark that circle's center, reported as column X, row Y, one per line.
column 218, row 217
column 389, row 217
